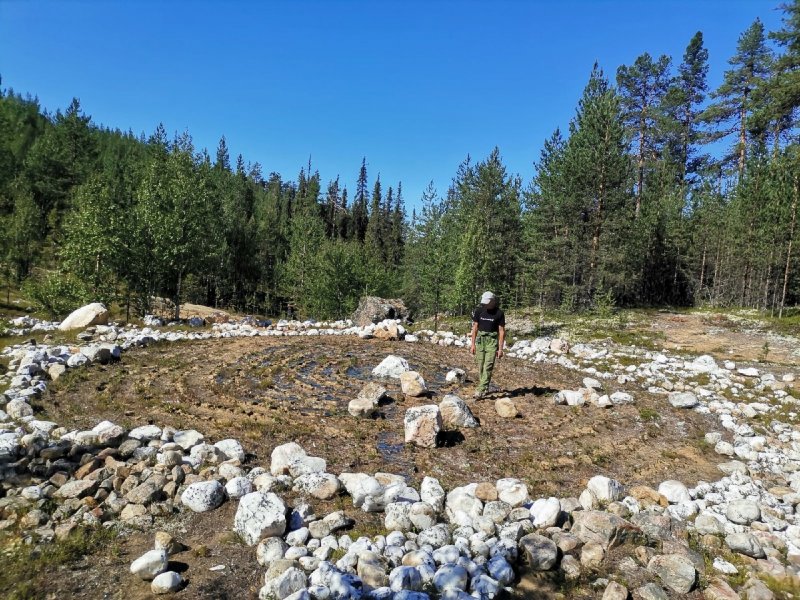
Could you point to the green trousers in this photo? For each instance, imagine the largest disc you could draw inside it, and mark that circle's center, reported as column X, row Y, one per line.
column 485, row 353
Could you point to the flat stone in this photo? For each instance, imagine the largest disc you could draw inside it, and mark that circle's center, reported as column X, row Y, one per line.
column 683, row 400
column 77, row 488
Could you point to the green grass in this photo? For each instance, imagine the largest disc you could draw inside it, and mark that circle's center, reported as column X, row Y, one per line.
column 648, row 415
column 27, row 566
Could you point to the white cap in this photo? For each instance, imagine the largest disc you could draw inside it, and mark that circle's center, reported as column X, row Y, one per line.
column 487, row 297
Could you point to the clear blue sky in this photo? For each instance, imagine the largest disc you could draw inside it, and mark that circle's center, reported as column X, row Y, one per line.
column 414, row 85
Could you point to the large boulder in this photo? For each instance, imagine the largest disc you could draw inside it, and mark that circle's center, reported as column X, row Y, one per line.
column 372, row 309
column 86, row 316
column 422, row 425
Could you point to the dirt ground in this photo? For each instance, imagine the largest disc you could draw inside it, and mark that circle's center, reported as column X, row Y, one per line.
column 725, row 337
column 267, row 391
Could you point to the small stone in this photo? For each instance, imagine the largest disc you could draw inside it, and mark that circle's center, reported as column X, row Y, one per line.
column 512, row 491
column 723, row 566
column 745, row 543
column 391, row 366
column 683, row 400
column 615, row 591
column 606, row 489
column 456, row 376
column 260, row 515
column 486, row 491
column 367, row 402
column 166, row 582
column 606, row 529
column 232, row 449
column 188, row 438
column 412, row 384
column 674, row 491
column 203, row 496
column 545, row 512
column 676, row 571
column 150, row 564
column 718, row 589
column 456, row 414
column 506, row 408
column 541, row 553
column 650, row 591
column 742, row 512
column 283, row 456
column 77, row 488
column 165, row 541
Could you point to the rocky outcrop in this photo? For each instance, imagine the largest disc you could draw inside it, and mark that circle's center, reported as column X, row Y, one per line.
column 372, row 309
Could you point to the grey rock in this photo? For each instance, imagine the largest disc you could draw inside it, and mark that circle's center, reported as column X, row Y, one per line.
column 676, row 571
column 683, row 400
column 541, row 553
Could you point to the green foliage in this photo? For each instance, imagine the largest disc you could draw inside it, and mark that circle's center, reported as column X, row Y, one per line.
column 57, row 293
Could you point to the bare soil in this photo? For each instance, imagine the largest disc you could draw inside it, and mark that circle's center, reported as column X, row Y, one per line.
column 724, row 337
column 267, row 391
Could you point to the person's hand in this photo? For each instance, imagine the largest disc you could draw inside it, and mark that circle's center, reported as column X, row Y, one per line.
column 500, row 353
column 472, row 349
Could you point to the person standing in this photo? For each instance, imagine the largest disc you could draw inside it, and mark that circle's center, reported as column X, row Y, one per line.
column 488, row 337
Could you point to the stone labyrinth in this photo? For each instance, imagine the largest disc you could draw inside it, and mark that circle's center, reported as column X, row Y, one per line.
column 351, row 462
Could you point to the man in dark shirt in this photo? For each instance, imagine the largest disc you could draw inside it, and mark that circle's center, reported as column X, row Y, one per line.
column 488, row 337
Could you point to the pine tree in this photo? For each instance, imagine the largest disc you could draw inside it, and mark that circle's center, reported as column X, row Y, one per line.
column 488, row 251
column 642, row 88
column 682, row 107
column 734, row 101
column 360, row 216
column 596, row 170
column 427, row 272
column 223, row 161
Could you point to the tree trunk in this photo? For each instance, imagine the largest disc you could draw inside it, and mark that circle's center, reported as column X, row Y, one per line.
column 640, row 180
column 789, row 247
column 178, row 296
column 703, row 266
column 743, row 135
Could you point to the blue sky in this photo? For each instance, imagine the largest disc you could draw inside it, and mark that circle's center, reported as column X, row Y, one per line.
column 413, row 86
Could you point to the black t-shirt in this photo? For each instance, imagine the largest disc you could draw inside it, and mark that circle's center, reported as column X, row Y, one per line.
column 488, row 320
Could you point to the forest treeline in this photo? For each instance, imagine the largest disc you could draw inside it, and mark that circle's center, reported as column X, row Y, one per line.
column 661, row 191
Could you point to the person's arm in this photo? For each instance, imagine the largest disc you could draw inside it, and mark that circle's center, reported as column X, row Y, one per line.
column 501, row 340
column 474, row 335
